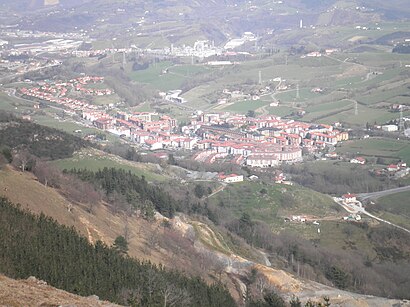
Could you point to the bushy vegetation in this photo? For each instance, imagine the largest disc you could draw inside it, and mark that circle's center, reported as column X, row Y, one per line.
column 336, row 178
column 38, row 246
column 136, row 190
column 37, row 140
column 383, row 270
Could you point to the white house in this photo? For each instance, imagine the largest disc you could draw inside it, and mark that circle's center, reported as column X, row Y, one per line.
column 230, row 178
column 390, row 128
column 349, row 198
column 358, row 160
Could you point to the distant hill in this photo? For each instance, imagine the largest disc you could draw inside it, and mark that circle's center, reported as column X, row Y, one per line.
column 391, row 10
column 395, row 9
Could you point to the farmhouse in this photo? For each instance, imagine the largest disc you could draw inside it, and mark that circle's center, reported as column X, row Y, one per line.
column 390, row 128
column 230, row 178
column 358, row 160
column 349, row 198
column 393, row 168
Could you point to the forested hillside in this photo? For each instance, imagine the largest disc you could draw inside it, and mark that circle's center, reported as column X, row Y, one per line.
column 40, row 141
column 38, row 246
column 134, row 190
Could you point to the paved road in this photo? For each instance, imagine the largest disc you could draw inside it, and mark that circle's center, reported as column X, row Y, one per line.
column 375, row 195
column 384, row 221
column 358, row 209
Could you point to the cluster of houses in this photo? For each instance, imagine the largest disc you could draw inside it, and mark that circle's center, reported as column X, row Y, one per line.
column 396, row 171
column 57, row 92
column 264, row 141
column 236, row 95
column 257, row 142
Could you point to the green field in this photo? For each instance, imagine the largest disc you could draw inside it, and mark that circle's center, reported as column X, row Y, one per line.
column 280, row 110
column 273, row 204
column 105, row 100
column 70, row 126
column 342, row 235
column 290, row 95
column 389, row 149
column 172, row 80
column 394, row 208
column 396, row 203
column 365, row 115
column 13, row 104
column 321, row 111
column 95, row 162
column 245, row 106
column 153, row 75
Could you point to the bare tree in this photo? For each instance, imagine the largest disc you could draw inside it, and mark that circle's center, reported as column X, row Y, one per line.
column 174, row 296
column 152, row 283
column 47, row 174
column 22, row 159
column 261, row 284
column 132, row 297
column 81, row 192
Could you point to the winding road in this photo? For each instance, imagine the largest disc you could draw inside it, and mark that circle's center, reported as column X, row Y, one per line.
column 358, row 208
column 376, row 195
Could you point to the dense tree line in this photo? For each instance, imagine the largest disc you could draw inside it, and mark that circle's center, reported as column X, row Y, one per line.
column 135, row 189
column 38, row 246
column 41, row 141
column 336, row 179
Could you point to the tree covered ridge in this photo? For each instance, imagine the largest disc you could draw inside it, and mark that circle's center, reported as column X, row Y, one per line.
column 39, row 246
column 136, row 190
column 41, row 141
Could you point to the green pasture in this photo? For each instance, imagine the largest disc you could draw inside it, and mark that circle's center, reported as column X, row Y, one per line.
column 245, row 106
column 280, row 110
column 94, row 162
column 172, row 80
column 290, row 95
column 153, row 75
column 394, row 208
column 271, row 203
column 70, row 126
column 396, row 203
column 106, row 100
column 384, row 95
column 15, row 105
column 319, row 112
column 378, row 147
column 340, row 234
column 365, row 115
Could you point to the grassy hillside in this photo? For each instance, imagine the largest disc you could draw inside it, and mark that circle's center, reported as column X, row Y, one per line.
column 394, row 208
column 388, row 149
column 94, row 160
column 272, row 203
